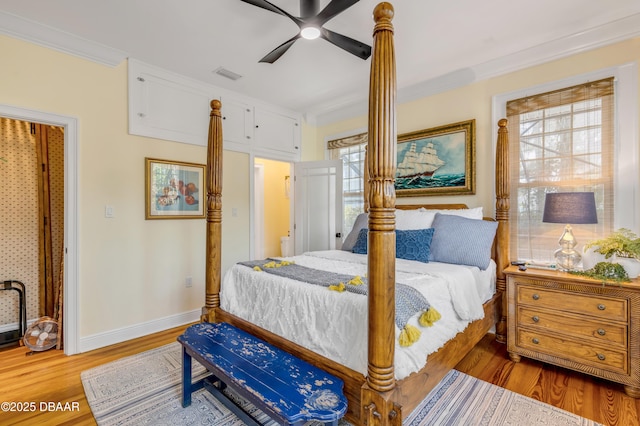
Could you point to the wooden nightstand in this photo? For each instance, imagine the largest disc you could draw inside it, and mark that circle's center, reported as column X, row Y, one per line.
column 577, row 323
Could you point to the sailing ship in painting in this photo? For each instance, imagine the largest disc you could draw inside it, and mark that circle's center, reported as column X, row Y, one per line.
column 418, row 167
column 423, row 163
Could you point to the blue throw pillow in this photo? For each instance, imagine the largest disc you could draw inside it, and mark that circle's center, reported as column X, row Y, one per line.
column 360, row 246
column 414, row 244
column 462, row 241
column 410, row 244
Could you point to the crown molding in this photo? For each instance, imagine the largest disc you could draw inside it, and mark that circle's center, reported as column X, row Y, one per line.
column 584, row 41
column 44, row 35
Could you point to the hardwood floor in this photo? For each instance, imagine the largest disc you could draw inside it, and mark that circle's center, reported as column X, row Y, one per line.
column 587, row 396
column 53, row 377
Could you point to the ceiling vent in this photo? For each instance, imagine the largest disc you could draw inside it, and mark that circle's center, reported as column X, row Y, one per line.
column 227, row 74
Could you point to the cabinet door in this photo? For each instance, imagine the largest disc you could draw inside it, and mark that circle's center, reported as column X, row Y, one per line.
column 237, row 126
column 167, row 109
column 275, row 131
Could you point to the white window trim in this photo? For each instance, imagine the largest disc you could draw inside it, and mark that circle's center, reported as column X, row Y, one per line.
column 626, row 162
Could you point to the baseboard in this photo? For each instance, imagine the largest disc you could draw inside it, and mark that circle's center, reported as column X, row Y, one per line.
column 14, row 325
column 101, row 340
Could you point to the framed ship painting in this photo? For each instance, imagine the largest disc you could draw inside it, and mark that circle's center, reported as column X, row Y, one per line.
column 174, row 190
column 437, row 161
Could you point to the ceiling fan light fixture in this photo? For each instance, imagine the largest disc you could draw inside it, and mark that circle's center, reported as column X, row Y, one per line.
column 310, row 33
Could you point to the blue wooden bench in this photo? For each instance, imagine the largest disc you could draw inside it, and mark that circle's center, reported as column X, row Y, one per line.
column 289, row 390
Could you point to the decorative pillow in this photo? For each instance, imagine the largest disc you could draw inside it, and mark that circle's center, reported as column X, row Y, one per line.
column 362, row 221
column 411, row 244
column 414, row 244
column 413, row 219
column 474, row 213
column 360, row 246
column 423, row 218
column 462, row 241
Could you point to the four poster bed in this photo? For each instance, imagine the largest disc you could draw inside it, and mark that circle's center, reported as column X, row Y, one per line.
column 376, row 393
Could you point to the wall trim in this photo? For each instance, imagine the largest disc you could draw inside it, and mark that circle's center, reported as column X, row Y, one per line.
column 52, row 38
column 594, row 38
column 123, row 334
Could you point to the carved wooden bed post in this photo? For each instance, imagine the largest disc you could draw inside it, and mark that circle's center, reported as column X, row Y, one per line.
column 502, row 216
column 214, row 214
column 377, row 393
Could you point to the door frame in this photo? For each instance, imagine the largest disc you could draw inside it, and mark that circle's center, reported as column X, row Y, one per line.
column 258, row 211
column 70, row 307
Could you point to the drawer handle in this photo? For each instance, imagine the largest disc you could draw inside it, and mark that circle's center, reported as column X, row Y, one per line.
column 535, row 340
column 601, row 307
column 601, row 357
column 536, row 296
column 535, row 318
column 601, row 332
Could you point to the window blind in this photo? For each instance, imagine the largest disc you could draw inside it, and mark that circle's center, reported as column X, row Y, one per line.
column 560, row 141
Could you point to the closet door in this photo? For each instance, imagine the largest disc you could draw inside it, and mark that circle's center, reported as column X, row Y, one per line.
column 318, row 205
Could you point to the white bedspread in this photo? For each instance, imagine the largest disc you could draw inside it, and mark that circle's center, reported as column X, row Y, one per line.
column 335, row 324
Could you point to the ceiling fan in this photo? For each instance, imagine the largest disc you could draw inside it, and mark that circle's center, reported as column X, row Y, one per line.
column 311, row 24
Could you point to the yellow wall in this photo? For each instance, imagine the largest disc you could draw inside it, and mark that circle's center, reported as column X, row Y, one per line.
column 276, row 205
column 131, row 271
column 475, row 101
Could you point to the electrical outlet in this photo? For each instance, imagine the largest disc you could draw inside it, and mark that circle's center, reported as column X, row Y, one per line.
column 187, row 282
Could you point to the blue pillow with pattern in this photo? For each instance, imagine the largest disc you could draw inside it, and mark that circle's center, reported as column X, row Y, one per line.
column 462, row 241
column 360, row 246
column 413, row 244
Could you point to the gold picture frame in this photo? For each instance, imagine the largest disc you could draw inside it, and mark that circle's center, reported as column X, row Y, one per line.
column 437, row 161
column 174, row 189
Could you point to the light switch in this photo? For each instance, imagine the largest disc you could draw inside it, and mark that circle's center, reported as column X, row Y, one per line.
column 108, row 211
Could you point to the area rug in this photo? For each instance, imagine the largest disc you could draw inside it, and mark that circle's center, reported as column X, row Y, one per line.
column 145, row 389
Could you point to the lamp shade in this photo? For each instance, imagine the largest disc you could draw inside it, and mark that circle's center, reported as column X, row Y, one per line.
column 570, row 207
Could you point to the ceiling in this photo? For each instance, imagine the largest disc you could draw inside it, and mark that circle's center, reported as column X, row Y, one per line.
column 440, row 44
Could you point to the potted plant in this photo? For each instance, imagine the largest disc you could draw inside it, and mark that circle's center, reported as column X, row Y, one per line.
column 624, row 245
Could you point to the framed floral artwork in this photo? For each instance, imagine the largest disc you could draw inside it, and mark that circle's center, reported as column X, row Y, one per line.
column 174, row 189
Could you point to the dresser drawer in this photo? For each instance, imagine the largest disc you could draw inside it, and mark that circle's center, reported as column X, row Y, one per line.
column 575, row 352
column 584, row 327
column 599, row 306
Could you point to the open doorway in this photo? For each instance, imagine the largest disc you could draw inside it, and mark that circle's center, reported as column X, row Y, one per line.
column 31, row 223
column 67, row 256
column 272, row 208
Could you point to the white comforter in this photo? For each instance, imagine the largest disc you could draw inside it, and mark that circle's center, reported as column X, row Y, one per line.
column 335, row 324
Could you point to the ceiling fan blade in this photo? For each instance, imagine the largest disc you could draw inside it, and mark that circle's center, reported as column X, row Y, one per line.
column 275, row 54
column 264, row 4
column 334, row 8
column 352, row 46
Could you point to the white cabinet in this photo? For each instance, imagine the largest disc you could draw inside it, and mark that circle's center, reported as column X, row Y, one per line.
column 169, row 106
column 163, row 106
column 237, row 124
column 276, row 131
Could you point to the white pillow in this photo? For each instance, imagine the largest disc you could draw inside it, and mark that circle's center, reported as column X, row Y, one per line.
column 423, row 218
column 413, row 219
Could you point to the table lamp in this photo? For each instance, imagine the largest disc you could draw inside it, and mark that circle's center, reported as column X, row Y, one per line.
column 569, row 208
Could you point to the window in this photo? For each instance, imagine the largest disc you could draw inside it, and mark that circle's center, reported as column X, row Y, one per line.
column 351, row 151
column 560, row 141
